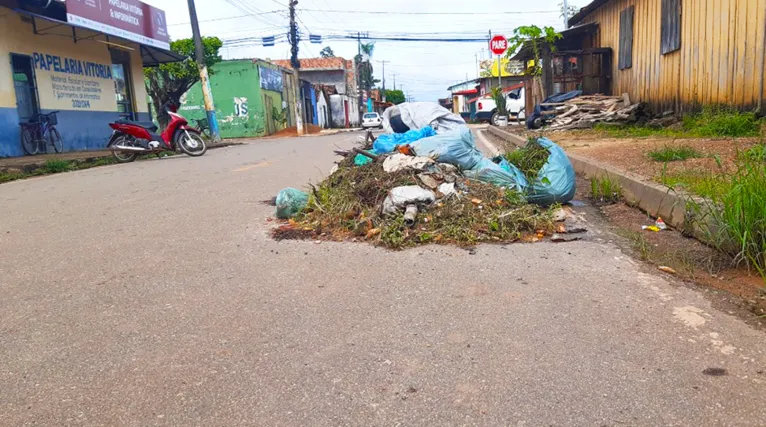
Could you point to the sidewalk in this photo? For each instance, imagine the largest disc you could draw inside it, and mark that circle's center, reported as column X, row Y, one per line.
column 26, row 163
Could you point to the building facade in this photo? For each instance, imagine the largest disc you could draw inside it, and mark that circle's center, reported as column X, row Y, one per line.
column 682, row 54
column 339, row 73
column 54, row 61
column 252, row 98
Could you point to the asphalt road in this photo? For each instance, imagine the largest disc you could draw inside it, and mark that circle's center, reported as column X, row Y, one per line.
column 151, row 294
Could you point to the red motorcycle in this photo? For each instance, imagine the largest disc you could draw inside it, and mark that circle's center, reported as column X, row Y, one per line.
column 131, row 139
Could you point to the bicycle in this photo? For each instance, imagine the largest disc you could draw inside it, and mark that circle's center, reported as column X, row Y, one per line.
column 204, row 129
column 38, row 132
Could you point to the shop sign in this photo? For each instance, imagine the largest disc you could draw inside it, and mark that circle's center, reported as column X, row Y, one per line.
column 73, row 84
column 129, row 19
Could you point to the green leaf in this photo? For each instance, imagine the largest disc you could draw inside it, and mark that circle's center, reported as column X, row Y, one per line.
column 545, row 180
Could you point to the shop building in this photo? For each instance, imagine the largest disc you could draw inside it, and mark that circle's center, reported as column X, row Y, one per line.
column 84, row 59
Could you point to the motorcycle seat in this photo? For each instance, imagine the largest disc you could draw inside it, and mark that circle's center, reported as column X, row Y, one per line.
column 151, row 127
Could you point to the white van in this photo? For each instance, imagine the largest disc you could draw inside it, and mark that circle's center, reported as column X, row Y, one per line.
column 515, row 100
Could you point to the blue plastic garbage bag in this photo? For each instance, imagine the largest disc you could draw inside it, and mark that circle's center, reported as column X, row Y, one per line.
column 556, row 180
column 388, row 141
column 490, row 172
column 290, row 201
column 500, row 161
column 455, row 147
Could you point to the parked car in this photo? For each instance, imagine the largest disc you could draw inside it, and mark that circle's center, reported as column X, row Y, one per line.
column 486, row 109
column 372, row 120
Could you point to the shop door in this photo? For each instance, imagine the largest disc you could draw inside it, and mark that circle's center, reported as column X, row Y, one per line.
column 270, row 128
column 123, row 86
column 24, row 86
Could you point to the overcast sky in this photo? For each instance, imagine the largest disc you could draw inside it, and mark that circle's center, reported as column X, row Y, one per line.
column 425, row 69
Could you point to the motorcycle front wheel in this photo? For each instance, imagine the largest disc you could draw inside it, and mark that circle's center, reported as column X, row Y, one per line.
column 191, row 143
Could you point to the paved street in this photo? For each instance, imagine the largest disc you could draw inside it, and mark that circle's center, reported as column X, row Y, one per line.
column 151, row 294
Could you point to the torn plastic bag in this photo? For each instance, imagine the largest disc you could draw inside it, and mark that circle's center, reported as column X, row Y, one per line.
column 388, row 141
column 399, row 197
column 417, row 115
column 290, row 201
column 456, row 148
column 556, row 180
column 490, row 172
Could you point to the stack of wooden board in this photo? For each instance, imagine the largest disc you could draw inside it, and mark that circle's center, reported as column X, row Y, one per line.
column 585, row 111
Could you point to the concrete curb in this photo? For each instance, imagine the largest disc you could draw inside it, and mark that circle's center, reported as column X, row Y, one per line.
column 653, row 198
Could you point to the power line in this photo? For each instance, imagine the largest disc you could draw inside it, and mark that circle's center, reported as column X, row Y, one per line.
column 229, row 17
column 376, row 12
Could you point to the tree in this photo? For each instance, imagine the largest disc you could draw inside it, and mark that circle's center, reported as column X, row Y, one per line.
column 168, row 82
column 395, row 96
column 367, row 80
column 327, row 52
column 532, row 36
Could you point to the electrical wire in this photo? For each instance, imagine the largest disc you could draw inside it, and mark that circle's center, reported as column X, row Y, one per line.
column 376, row 12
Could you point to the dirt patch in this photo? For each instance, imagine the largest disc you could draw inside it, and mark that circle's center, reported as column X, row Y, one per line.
column 293, row 131
column 630, row 154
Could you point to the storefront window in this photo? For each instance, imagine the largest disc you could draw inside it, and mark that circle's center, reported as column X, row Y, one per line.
column 122, row 83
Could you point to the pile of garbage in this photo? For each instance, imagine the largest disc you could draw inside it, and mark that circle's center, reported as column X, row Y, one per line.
column 426, row 182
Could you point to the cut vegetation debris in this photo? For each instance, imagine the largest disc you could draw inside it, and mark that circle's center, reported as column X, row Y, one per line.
column 674, row 154
column 529, row 158
column 431, row 185
column 347, row 205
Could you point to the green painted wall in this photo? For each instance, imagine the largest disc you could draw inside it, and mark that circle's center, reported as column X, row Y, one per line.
column 238, row 97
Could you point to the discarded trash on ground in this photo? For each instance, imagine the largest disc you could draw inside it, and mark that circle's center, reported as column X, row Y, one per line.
column 659, row 225
column 666, row 269
column 431, row 184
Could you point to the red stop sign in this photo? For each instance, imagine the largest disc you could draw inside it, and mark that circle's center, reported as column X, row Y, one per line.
column 498, row 45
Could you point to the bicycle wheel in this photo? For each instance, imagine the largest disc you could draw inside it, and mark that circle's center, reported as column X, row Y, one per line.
column 29, row 142
column 55, row 138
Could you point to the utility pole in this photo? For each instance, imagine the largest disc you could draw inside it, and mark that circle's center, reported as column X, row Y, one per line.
column 566, row 15
column 359, row 71
column 296, row 66
column 384, row 79
column 394, row 81
column 204, row 79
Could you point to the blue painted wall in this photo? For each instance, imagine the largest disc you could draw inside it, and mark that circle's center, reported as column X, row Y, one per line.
column 80, row 130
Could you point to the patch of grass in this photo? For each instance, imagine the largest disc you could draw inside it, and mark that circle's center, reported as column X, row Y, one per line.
column 711, row 122
column 699, row 182
column 529, row 159
column 718, row 121
column 56, row 166
column 757, row 153
column 673, row 154
column 348, row 205
column 604, row 189
column 734, row 220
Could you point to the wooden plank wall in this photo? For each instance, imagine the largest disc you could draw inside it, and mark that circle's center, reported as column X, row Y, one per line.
column 720, row 60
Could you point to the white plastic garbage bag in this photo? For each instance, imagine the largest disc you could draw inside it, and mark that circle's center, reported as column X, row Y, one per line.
column 399, row 197
column 417, row 115
column 398, row 161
